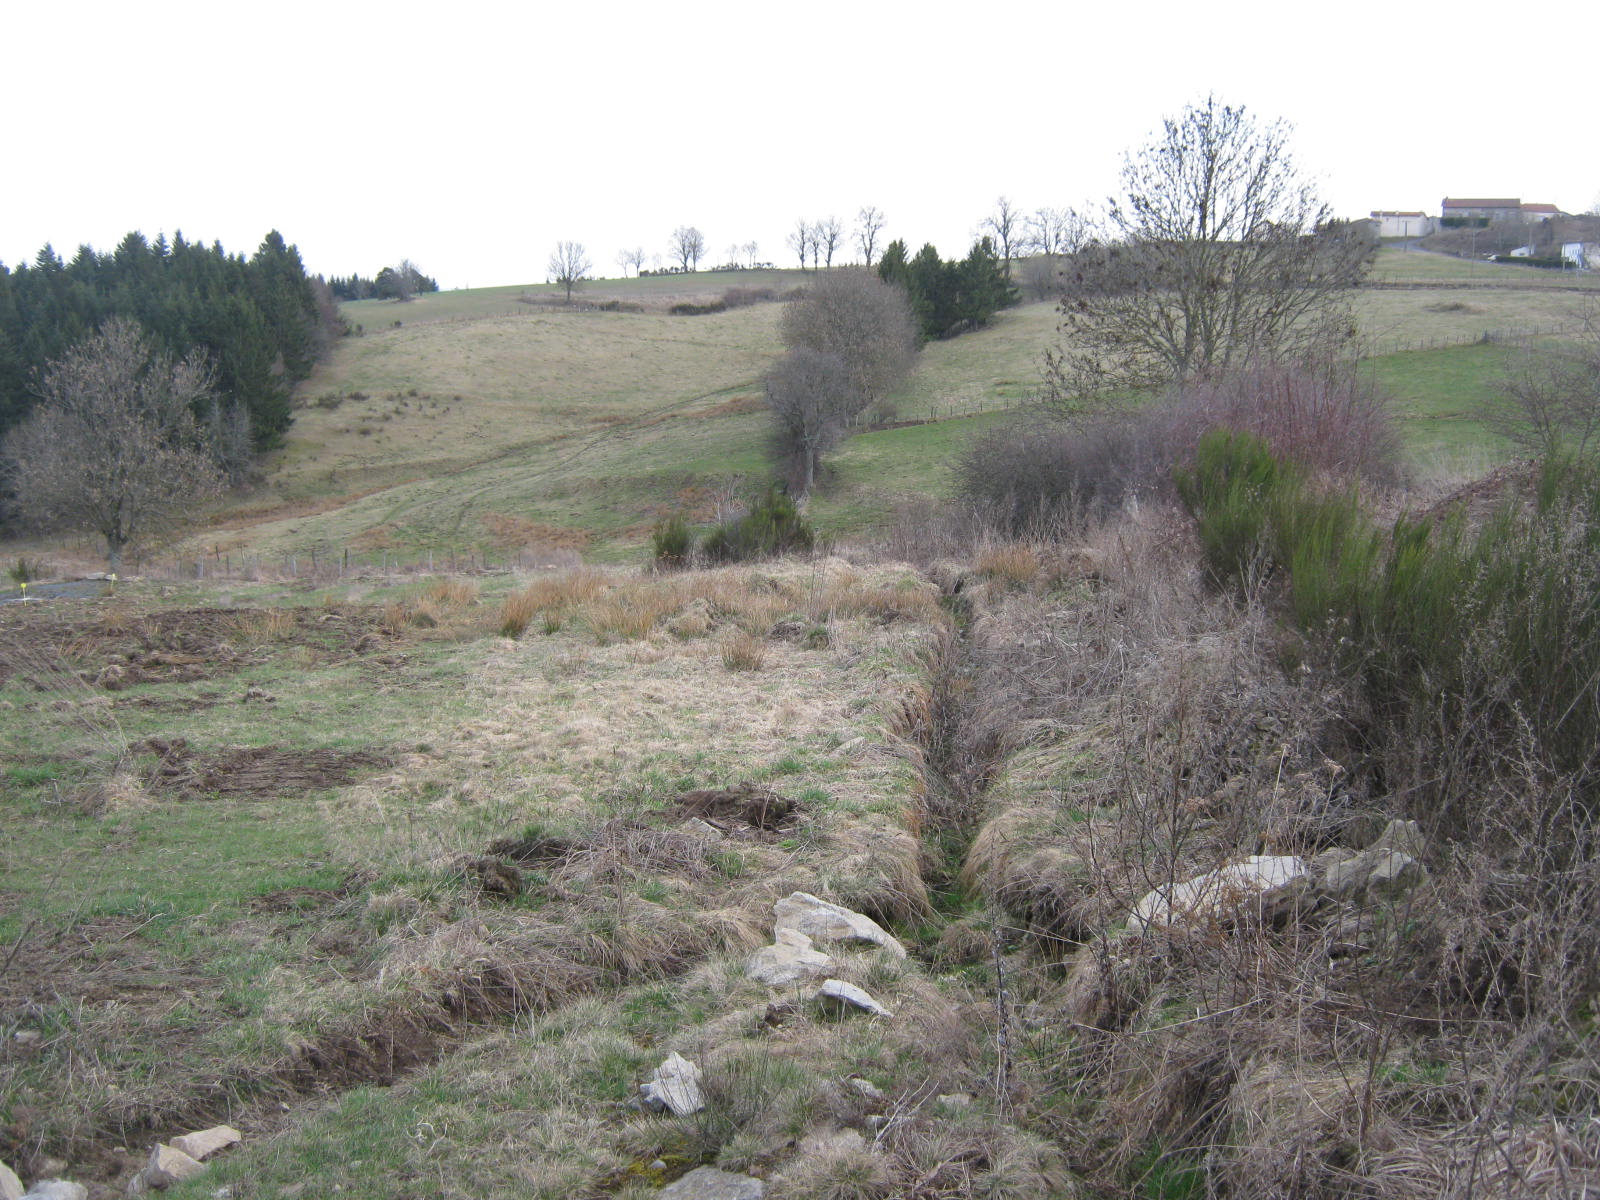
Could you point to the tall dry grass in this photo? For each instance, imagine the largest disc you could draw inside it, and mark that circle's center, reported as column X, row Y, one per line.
column 1434, row 1044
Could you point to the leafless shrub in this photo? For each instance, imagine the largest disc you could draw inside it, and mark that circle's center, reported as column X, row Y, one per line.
column 743, row 297
column 1548, row 400
column 1038, row 472
column 1319, row 413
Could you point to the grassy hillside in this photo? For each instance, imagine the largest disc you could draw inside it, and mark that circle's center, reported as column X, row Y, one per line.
column 473, row 420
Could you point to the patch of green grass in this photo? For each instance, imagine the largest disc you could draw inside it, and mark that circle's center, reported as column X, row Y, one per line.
column 1162, row 1175
column 33, row 775
column 1439, row 398
column 1414, row 266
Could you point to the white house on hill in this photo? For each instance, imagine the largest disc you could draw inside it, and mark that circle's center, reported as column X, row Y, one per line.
column 1396, row 223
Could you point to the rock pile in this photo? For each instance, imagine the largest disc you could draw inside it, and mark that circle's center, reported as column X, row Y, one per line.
column 183, row 1159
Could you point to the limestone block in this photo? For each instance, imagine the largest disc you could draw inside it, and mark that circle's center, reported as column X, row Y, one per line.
column 675, row 1085
column 1262, row 880
column 788, row 961
column 825, row 922
column 835, row 995
column 203, row 1143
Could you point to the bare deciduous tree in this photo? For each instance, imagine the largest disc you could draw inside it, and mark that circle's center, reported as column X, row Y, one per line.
column 113, row 446
column 867, row 323
column 688, row 246
column 1053, row 231
column 752, row 253
column 1004, row 227
column 569, row 264
column 850, row 339
column 1219, row 253
column 800, row 240
column 634, row 258
column 400, row 282
column 869, row 224
column 812, row 402
column 829, row 234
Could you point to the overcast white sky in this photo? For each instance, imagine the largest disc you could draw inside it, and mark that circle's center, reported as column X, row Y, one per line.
column 471, row 137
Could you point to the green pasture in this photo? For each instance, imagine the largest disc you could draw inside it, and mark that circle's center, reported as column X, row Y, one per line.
column 1420, row 266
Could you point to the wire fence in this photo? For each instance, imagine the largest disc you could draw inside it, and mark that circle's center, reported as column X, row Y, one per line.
column 1482, row 337
column 325, row 564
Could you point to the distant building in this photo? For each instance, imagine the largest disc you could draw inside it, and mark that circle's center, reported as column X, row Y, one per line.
column 1498, row 211
column 1398, row 223
column 1494, row 211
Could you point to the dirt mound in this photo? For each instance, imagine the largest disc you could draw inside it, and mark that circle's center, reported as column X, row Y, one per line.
column 260, row 771
column 744, row 805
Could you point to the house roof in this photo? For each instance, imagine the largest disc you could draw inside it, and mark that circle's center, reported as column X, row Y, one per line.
column 1501, row 203
column 1541, row 208
column 1396, row 212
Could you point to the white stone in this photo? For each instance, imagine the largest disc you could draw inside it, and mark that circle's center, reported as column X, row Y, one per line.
column 825, row 922
column 168, row 1166
column 1378, row 873
column 10, row 1186
column 867, row 1089
column 832, row 1141
column 836, row 994
column 708, row 1183
column 788, row 961
column 1259, row 879
column 1403, row 836
column 675, row 1085
column 57, row 1189
column 203, row 1143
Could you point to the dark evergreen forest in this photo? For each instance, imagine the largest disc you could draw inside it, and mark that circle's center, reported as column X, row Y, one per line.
column 262, row 320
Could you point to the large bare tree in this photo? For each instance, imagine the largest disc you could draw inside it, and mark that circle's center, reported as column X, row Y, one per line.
column 866, row 322
column 812, row 403
column 688, row 247
column 569, row 265
column 1052, row 231
column 851, row 339
column 1217, row 252
column 114, row 447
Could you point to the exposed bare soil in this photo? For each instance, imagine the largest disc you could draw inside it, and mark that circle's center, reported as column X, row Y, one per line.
column 252, row 771
column 112, row 648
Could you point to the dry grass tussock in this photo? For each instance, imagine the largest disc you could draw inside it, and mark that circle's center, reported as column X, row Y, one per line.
column 620, row 606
